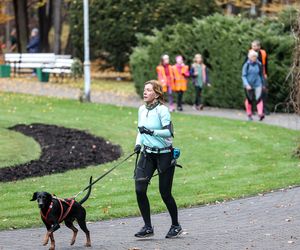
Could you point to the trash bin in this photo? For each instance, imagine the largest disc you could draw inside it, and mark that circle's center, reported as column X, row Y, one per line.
column 4, row 70
column 42, row 76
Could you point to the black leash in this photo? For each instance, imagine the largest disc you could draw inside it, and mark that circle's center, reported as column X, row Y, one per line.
column 106, row 173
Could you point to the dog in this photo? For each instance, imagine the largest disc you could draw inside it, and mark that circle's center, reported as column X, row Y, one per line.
column 55, row 210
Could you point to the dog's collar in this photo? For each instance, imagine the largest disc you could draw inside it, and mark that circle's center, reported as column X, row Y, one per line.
column 45, row 217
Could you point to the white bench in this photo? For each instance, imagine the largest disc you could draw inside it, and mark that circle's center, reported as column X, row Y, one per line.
column 30, row 61
column 48, row 62
column 60, row 66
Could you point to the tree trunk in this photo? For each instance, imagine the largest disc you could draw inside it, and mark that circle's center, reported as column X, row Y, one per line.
column 20, row 8
column 295, row 93
column 69, row 47
column 57, row 23
column 45, row 23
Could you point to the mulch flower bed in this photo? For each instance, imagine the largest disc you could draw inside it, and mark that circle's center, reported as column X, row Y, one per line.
column 62, row 149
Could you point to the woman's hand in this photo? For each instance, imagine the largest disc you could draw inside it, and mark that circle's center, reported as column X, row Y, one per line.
column 144, row 130
column 248, row 87
column 137, row 148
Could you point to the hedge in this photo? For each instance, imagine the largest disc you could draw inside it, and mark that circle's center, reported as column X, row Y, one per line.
column 115, row 23
column 224, row 42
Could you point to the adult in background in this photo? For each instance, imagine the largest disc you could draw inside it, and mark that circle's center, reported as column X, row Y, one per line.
column 34, row 43
column 154, row 141
column 166, row 79
column 253, row 82
column 263, row 58
column 181, row 73
column 13, row 42
column 199, row 76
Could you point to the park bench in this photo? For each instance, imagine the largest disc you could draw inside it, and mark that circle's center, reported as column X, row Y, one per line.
column 46, row 63
column 22, row 62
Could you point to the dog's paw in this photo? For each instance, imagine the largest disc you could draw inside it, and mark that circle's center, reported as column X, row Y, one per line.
column 52, row 248
column 72, row 242
column 88, row 244
column 45, row 243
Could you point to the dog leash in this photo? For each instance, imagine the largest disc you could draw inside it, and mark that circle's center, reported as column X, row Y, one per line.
column 103, row 175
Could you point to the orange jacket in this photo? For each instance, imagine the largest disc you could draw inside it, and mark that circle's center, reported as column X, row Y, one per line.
column 262, row 56
column 264, row 60
column 163, row 79
column 181, row 77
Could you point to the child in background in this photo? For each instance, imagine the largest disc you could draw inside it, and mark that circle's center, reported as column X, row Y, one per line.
column 181, row 73
column 166, row 79
column 200, row 78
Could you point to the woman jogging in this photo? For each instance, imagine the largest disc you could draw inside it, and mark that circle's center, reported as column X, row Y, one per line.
column 154, row 141
column 253, row 82
column 199, row 76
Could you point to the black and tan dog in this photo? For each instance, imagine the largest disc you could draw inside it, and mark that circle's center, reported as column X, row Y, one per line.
column 55, row 210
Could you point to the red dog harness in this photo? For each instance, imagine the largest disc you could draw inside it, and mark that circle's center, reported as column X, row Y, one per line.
column 63, row 215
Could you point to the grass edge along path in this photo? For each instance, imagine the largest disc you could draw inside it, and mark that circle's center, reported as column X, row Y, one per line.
column 222, row 159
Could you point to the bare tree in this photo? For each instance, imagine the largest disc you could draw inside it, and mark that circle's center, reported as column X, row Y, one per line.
column 20, row 8
column 45, row 23
column 57, row 23
column 295, row 93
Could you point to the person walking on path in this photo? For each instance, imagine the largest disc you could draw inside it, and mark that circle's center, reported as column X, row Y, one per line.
column 199, row 77
column 253, row 82
column 154, row 142
column 34, row 43
column 181, row 73
column 263, row 58
column 13, row 41
column 166, row 78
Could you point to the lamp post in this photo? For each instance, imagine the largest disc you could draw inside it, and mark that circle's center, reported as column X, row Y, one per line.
column 86, row 63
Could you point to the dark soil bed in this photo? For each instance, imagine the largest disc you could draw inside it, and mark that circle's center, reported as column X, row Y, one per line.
column 62, row 149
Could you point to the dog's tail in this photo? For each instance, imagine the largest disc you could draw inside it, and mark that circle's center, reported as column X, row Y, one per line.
column 88, row 193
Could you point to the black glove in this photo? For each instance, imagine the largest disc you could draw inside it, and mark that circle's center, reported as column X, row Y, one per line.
column 137, row 148
column 144, row 130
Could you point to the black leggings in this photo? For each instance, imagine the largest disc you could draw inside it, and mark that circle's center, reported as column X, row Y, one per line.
column 148, row 163
column 179, row 99
column 198, row 91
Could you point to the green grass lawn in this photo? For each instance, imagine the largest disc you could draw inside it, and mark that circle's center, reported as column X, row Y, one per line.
column 222, row 159
column 16, row 148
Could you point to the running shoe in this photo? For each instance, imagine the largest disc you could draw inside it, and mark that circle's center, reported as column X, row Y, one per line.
column 174, row 232
column 261, row 117
column 146, row 231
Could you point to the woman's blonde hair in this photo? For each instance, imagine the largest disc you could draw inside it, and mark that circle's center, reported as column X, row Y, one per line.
column 157, row 88
column 198, row 55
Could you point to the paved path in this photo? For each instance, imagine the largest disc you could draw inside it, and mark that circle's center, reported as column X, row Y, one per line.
column 285, row 120
column 270, row 222
column 263, row 222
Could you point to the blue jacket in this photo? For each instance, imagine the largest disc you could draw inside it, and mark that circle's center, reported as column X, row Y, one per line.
column 34, row 45
column 155, row 119
column 252, row 74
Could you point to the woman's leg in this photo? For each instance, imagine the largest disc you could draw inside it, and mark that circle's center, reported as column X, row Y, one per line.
column 165, row 186
column 170, row 98
column 248, row 102
column 179, row 100
column 145, row 169
column 259, row 101
column 200, row 98
column 197, row 97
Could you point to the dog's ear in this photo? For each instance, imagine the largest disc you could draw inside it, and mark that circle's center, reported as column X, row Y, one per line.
column 34, row 196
